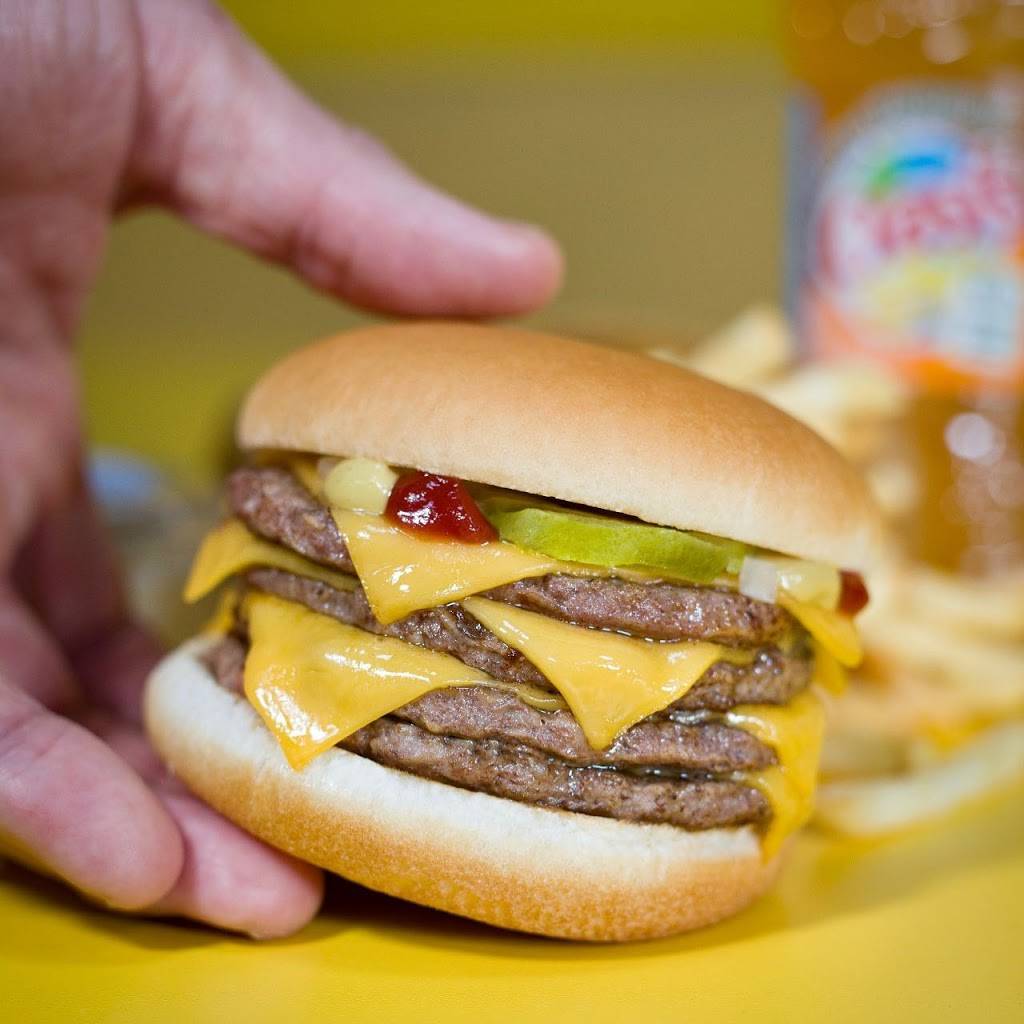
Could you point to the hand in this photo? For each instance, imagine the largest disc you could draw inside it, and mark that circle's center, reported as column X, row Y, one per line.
column 107, row 104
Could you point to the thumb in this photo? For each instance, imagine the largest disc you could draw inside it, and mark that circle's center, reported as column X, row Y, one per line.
column 224, row 139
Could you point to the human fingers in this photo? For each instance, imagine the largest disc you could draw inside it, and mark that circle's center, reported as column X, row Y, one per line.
column 227, row 141
column 30, row 659
column 233, row 881
column 228, row 879
column 225, row 878
column 70, row 805
column 68, row 572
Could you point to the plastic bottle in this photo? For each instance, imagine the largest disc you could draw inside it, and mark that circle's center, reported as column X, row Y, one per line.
column 907, row 242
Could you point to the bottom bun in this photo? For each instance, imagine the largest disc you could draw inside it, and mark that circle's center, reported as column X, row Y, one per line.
column 510, row 864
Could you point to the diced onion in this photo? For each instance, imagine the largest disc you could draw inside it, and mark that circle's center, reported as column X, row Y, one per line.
column 759, row 578
column 361, row 485
column 807, row 582
column 810, row 582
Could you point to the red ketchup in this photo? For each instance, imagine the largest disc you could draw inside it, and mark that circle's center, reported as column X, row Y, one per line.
column 439, row 506
column 854, row 594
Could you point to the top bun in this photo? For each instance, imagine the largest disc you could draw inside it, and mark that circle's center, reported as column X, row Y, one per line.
column 581, row 423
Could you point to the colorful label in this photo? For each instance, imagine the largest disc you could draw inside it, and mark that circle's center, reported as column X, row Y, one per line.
column 917, row 245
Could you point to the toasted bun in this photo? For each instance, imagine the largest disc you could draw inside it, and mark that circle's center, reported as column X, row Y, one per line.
column 509, row 864
column 568, row 420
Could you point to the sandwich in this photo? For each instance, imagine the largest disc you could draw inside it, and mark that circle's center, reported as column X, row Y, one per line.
column 520, row 628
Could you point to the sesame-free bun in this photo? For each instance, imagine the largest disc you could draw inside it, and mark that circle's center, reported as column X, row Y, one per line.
column 572, row 421
column 546, row 871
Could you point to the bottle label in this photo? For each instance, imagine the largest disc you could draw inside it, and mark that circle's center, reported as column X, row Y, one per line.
column 917, row 247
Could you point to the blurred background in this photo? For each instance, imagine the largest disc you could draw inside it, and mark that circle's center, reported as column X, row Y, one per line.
column 821, row 201
column 648, row 138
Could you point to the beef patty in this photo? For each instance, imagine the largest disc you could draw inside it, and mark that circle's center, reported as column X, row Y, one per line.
column 770, row 677
column 519, row 773
column 660, row 771
column 696, row 741
column 681, row 766
column 274, row 504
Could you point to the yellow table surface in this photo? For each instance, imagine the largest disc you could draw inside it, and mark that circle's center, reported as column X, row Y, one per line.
column 927, row 926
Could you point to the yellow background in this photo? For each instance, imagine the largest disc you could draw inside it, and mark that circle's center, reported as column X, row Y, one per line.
column 303, row 28
column 648, row 137
column 928, row 927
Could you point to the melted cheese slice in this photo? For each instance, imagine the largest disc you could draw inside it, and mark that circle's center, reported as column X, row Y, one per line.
column 795, row 732
column 835, row 632
column 222, row 621
column 401, row 573
column 609, row 681
column 232, row 548
column 315, row 681
column 828, row 673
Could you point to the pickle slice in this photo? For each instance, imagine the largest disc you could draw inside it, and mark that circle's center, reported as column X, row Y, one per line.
column 599, row 540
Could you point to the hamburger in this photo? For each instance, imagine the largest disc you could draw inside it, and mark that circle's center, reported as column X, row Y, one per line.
column 519, row 628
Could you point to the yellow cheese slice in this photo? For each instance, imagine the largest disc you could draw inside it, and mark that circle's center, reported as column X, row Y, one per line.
column 233, row 548
column 223, row 618
column 795, row 732
column 402, row 573
column 315, row 681
column 833, row 630
column 828, row 673
column 609, row 681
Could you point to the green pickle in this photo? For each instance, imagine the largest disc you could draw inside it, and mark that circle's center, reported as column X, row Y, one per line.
column 600, row 540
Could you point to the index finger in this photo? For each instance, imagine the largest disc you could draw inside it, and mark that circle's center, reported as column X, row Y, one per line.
column 228, row 142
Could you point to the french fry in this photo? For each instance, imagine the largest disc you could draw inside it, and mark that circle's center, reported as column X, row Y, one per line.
column 988, row 674
column 893, row 484
column 860, row 755
column 991, row 608
column 849, row 403
column 873, row 807
column 749, row 349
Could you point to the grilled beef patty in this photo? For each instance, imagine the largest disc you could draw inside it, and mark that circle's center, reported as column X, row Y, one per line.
column 274, row 504
column 694, row 741
column 771, row 677
column 678, row 767
column 520, row 773
column 661, row 770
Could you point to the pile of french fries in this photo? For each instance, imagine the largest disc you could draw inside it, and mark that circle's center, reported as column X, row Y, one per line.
column 935, row 716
